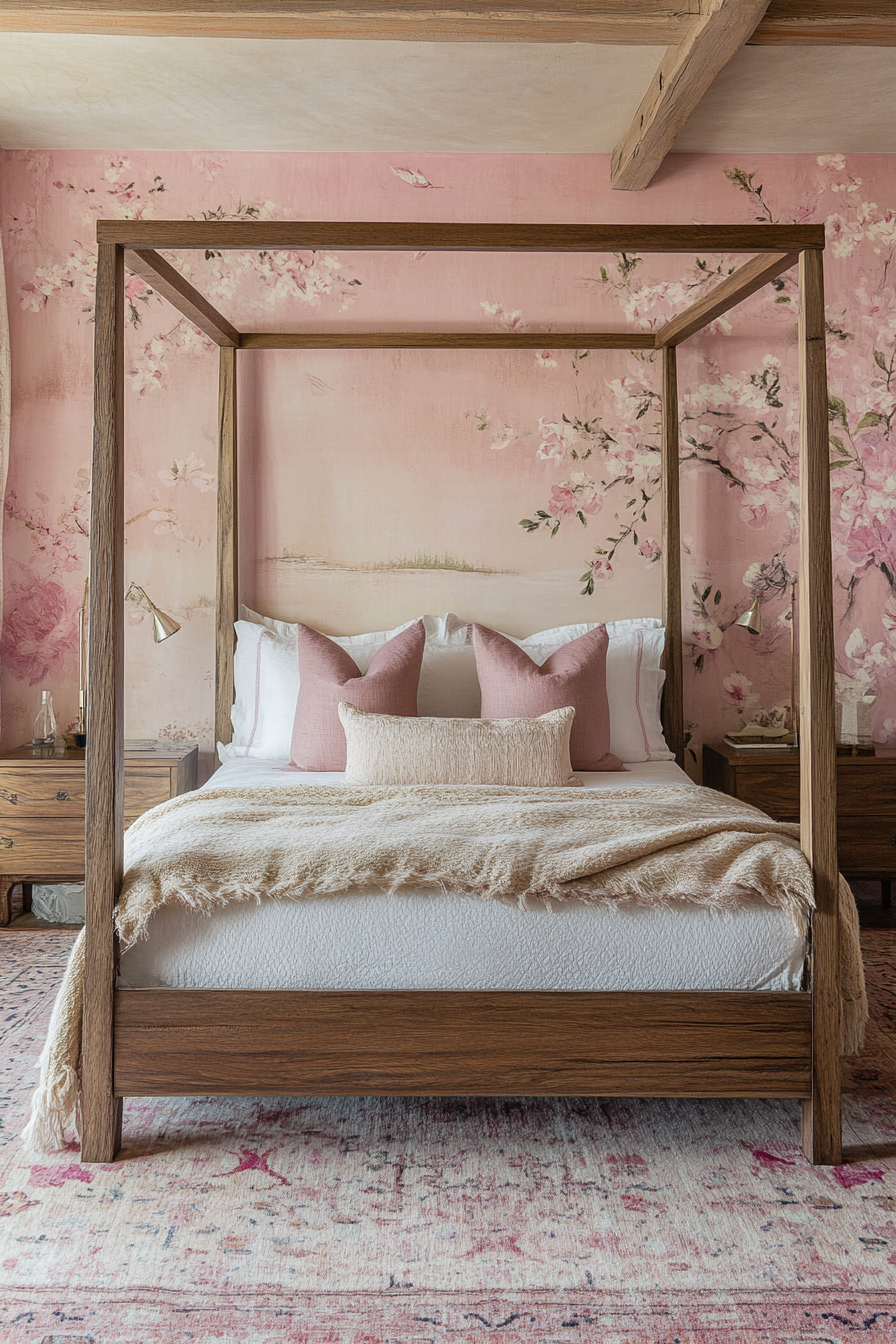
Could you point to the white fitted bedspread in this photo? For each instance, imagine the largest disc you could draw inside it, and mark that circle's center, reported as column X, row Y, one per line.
column 431, row 940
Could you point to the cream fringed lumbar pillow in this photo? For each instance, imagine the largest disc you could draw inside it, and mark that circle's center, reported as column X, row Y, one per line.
column 386, row 749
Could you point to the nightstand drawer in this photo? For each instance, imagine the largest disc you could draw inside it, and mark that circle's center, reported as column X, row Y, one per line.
column 866, row 792
column 866, row 844
column 775, row 791
column 48, row 792
column 143, row 789
column 26, row 847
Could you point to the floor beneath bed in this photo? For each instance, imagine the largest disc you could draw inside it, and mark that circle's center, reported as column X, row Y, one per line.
column 356, row 1220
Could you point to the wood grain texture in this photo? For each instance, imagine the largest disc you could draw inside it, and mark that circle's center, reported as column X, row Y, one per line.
column 101, row 1111
column 828, row 23
column 818, row 802
column 168, row 282
column 650, row 22
column 447, row 340
column 255, row 1042
column 743, row 282
column 685, row 74
column 227, row 603
column 389, row 236
column 673, row 689
column 626, row 22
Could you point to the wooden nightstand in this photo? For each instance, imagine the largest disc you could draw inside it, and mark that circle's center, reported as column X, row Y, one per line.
column 42, row 808
column 866, row 801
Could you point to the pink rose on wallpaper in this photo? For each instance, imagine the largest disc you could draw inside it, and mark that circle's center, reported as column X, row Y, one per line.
column 545, row 359
column 861, row 547
column 563, row 502
column 601, row 568
column 577, row 495
column 650, row 549
column 40, row 632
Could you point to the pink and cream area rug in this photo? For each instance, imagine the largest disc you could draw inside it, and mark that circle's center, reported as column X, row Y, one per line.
column 404, row 1221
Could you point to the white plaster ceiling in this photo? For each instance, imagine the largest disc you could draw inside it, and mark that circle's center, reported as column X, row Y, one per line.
column 92, row 92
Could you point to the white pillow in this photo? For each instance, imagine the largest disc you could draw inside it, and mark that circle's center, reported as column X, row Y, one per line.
column 522, row 753
column 266, row 683
column 266, row 678
column 634, row 682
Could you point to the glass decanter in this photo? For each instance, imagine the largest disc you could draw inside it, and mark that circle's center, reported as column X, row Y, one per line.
column 44, row 731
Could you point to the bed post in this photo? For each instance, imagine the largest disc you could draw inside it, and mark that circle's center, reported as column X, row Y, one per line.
column 227, row 603
column 673, row 699
column 818, row 769
column 100, row 1108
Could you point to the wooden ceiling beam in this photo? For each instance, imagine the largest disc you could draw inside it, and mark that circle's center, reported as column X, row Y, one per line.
column 661, row 23
column 626, row 22
column 165, row 280
column 684, row 75
column 736, row 287
column 828, row 23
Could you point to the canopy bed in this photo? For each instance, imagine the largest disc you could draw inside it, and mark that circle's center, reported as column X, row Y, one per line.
column 252, row 1041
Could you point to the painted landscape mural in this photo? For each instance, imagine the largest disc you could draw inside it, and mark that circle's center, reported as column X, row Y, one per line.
column 519, row 488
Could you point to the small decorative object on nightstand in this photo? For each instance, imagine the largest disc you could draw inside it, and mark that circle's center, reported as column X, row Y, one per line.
column 42, row 807
column 866, row 801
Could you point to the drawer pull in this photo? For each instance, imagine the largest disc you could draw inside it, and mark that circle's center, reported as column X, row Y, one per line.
column 5, row 842
column 62, row 796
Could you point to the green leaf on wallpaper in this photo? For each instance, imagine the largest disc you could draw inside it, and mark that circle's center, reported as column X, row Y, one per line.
column 870, row 420
column 718, row 597
column 603, row 274
column 783, row 298
column 698, row 663
column 635, row 538
column 839, row 445
column 837, row 410
column 844, row 462
column 581, row 517
column 705, row 594
column 880, row 361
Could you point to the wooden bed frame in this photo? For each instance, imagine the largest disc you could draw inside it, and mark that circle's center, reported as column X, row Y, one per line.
column 161, row 1042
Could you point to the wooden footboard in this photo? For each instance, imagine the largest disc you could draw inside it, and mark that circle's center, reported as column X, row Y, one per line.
column 172, row 1042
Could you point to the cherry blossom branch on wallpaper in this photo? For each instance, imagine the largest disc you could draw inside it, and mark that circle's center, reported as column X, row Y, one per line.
column 261, row 279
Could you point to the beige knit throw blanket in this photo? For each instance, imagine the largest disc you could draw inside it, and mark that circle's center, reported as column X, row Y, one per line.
column 305, row 842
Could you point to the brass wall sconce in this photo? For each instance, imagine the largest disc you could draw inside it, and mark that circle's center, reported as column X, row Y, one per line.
column 163, row 626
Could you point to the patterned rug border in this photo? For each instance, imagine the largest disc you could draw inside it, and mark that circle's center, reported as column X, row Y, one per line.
column 148, row 1316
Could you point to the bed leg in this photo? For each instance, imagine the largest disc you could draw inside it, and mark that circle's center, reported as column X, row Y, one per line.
column 822, row 1135
column 100, row 1128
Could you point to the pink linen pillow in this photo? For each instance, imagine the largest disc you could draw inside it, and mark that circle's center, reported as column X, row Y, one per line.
column 515, row 687
column 329, row 675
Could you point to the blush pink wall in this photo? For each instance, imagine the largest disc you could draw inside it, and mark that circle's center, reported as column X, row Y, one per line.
column 378, row 485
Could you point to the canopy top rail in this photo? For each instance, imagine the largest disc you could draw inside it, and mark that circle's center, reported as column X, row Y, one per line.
column 775, row 249
column 259, row 235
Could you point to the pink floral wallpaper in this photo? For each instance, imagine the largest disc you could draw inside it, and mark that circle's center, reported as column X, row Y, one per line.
column 519, row 488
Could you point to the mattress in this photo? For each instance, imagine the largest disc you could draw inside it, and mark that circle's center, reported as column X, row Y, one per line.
column 432, row 940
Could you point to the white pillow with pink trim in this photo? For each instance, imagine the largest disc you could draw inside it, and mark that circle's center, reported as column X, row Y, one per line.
column 634, row 682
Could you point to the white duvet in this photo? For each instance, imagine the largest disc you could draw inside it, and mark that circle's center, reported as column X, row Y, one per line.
column 429, row 940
